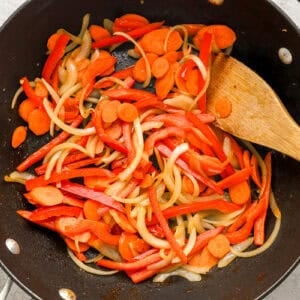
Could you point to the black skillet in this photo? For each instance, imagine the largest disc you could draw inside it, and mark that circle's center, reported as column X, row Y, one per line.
column 43, row 267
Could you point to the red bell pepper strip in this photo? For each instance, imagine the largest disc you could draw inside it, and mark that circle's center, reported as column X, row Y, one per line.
column 100, row 229
column 136, row 33
column 189, row 208
column 160, row 216
column 203, row 239
column 235, row 178
column 30, row 93
column 44, row 213
column 207, row 131
column 259, row 225
column 129, row 266
column 67, row 174
column 85, row 192
column 105, row 138
column 130, row 94
column 241, row 234
column 50, row 224
column 40, row 153
column 55, row 56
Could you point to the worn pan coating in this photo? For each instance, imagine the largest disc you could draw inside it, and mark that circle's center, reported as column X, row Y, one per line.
column 43, row 267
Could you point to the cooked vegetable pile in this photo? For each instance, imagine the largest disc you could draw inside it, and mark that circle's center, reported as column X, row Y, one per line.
column 136, row 178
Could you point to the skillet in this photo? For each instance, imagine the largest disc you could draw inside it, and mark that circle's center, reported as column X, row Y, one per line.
column 42, row 267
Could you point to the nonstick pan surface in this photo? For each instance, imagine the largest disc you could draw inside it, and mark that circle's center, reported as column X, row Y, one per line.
column 43, row 267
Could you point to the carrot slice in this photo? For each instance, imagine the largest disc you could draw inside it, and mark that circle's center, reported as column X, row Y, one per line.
column 204, row 259
column 98, row 32
column 46, row 195
column 19, row 136
column 52, row 41
column 25, row 108
column 154, row 41
column 160, row 67
column 240, row 193
column 223, row 107
column 192, row 81
column 110, row 111
column 164, row 84
column 38, row 121
column 90, row 209
column 127, row 112
column 139, row 70
column 219, row 246
column 129, row 22
column 223, row 36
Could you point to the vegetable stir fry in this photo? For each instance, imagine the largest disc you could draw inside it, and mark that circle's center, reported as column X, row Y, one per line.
column 136, row 178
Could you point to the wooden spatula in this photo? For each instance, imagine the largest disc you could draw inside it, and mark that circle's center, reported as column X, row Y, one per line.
column 257, row 114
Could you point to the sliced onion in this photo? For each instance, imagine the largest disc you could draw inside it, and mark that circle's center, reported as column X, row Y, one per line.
column 18, row 177
column 124, row 175
column 15, row 97
column 87, row 268
column 65, row 127
column 185, row 38
column 190, row 276
column 145, row 234
column 85, row 47
column 181, row 101
column 71, row 77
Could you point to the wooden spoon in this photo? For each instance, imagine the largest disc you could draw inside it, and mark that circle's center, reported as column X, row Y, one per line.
column 257, row 114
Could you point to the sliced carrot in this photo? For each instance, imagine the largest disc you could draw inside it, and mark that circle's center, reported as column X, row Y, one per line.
column 38, row 121
column 129, row 22
column 110, row 111
column 192, row 81
column 223, row 36
column 96, row 182
column 219, row 246
column 90, row 209
column 187, row 185
column 139, row 70
column 40, row 89
column 172, row 56
column 127, row 112
column 98, row 32
column 240, row 193
column 193, row 28
column 164, row 84
column 223, row 107
column 52, row 41
column 160, row 67
column 155, row 40
column 25, row 108
column 19, row 136
column 46, row 195
column 147, row 181
column 204, row 259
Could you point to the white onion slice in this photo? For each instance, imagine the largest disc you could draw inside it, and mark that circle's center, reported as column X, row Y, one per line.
column 190, row 276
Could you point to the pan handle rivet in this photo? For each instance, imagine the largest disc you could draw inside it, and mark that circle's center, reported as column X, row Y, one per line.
column 66, row 294
column 12, row 246
column 285, row 55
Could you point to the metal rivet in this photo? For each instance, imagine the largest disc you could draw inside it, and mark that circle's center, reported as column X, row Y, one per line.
column 12, row 246
column 285, row 56
column 66, row 294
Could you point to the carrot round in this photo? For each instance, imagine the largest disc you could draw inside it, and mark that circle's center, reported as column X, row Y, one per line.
column 223, row 107
column 218, row 246
column 46, row 195
column 127, row 112
column 90, row 210
column 19, row 136
column 240, row 193
column 25, row 108
column 98, row 32
column 129, row 22
column 204, row 259
column 154, row 41
column 223, row 36
column 139, row 72
column 52, row 41
column 160, row 67
column 110, row 111
column 38, row 121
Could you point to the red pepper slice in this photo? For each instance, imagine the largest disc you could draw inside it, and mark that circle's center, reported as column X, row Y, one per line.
column 55, row 56
column 30, row 93
column 85, row 192
column 44, row 213
column 67, row 174
column 136, row 33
